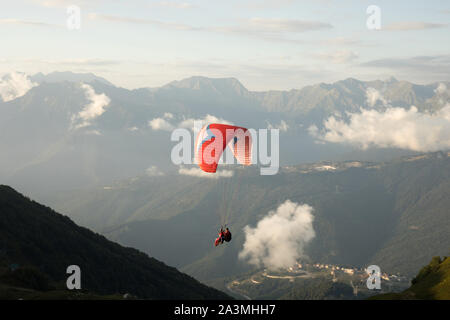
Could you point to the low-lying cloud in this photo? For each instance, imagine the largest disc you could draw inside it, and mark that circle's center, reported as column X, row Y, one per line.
column 282, row 126
column 373, row 96
column 393, row 128
column 168, row 115
column 189, row 123
column 441, row 88
column 153, row 171
column 15, row 85
column 279, row 239
column 160, row 124
column 166, row 123
column 197, row 172
column 95, row 108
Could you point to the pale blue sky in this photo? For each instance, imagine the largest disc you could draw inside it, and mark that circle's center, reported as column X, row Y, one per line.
column 281, row 44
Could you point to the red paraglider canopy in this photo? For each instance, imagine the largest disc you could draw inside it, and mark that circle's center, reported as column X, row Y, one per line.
column 213, row 139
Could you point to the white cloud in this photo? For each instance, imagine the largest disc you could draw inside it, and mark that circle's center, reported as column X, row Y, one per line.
column 279, row 239
column 441, row 88
column 392, row 128
column 168, row 115
column 282, row 126
column 189, row 123
column 14, row 85
column 313, row 130
column 94, row 109
column 153, row 171
column 197, row 172
column 160, row 124
column 373, row 96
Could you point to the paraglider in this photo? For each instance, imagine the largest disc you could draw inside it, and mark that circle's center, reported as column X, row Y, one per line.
column 210, row 144
column 223, row 236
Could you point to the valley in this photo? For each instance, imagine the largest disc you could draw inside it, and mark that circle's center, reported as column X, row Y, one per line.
column 312, row 281
column 393, row 214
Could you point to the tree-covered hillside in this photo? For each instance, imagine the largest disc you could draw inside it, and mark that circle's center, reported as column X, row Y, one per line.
column 37, row 245
column 431, row 283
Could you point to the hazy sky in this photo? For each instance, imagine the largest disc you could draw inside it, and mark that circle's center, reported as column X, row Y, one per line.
column 276, row 44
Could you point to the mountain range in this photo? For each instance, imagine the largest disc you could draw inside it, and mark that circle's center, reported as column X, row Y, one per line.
column 78, row 130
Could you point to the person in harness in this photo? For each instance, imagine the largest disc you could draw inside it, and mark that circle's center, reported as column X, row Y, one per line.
column 224, row 235
column 227, row 235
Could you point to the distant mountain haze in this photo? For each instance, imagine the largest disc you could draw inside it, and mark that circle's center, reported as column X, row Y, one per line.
column 42, row 139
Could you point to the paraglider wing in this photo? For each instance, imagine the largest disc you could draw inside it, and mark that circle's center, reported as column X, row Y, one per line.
column 241, row 145
column 212, row 140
